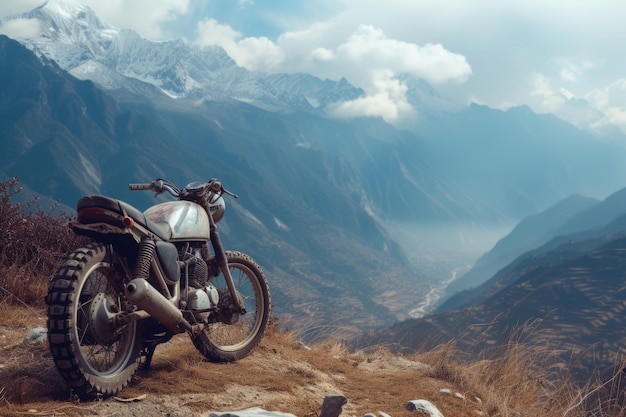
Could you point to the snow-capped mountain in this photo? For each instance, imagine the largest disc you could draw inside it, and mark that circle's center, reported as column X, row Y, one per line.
column 120, row 59
column 584, row 115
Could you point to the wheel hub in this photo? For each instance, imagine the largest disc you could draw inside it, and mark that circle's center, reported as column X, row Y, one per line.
column 229, row 314
column 101, row 313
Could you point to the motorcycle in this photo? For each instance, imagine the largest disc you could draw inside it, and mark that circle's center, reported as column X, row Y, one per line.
column 146, row 277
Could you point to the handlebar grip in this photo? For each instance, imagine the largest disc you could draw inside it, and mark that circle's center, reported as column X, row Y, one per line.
column 140, row 186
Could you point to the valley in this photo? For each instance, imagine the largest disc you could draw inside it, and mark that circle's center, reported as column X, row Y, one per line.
column 434, row 297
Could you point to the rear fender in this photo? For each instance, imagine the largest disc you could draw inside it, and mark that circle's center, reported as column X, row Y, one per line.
column 102, row 225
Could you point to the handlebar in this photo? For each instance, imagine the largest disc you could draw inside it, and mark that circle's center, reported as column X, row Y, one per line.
column 135, row 187
column 216, row 186
column 161, row 185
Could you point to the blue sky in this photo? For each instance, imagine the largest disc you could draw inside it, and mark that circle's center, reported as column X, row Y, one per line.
column 540, row 53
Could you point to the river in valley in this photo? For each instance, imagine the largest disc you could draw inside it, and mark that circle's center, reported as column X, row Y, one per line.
column 432, row 298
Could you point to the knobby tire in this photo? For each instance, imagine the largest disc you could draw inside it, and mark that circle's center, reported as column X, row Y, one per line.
column 236, row 336
column 89, row 365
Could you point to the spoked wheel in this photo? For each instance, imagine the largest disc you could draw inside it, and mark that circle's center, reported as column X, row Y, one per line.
column 92, row 355
column 236, row 334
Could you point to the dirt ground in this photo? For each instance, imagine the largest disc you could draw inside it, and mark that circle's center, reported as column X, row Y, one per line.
column 280, row 375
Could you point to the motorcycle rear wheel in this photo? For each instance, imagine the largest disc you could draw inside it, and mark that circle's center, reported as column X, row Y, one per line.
column 236, row 335
column 93, row 357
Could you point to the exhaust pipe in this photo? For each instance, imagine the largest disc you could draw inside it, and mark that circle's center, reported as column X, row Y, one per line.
column 140, row 292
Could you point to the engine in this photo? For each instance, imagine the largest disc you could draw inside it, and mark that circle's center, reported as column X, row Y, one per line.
column 201, row 296
column 201, row 301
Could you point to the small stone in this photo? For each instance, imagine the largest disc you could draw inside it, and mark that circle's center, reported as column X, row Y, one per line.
column 424, row 407
column 251, row 412
column 332, row 405
column 36, row 336
column 302, row 345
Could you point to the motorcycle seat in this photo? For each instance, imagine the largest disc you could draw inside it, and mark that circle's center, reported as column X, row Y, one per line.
column 122, row 208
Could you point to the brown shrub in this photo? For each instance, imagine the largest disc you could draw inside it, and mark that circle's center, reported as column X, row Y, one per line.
column 34, row 243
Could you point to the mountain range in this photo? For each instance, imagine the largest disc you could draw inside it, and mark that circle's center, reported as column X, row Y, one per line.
column 354, row 220
column 558, row 287
column 121, row 60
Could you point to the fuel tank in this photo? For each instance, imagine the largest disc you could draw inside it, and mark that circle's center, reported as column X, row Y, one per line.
column 187, row 220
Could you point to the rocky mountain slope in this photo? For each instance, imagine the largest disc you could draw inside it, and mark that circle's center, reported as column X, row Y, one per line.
column 575, row 218
column 567, row 297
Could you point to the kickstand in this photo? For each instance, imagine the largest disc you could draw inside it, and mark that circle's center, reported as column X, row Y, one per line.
column 149, row 353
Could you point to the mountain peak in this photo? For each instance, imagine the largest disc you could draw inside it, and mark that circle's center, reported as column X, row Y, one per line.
column 122, row 60
column 63, row 20
column 63, row 8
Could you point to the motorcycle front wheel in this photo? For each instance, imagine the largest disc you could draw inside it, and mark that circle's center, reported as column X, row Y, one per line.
column 93, row 356
column 234, row 335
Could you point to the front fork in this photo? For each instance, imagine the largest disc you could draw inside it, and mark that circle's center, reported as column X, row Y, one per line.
column 222, row 262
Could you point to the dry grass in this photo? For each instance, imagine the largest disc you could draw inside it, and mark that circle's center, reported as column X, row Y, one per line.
column 281, row 374
column 520, row 378
column 285, row 375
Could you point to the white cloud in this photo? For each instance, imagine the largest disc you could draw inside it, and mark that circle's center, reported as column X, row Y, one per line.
column 614, row 116
column 258, row 54
column 544, row 98
column 614, row 94
column 21, row 28
column 386, row 97
column 572, row 71
column 369, row 47
column 145, row 16
column 367, row 58
column 322, row 55
column 571, row 44
column 568, row 75
column 255, row 54
column 371, row 60
column 12, row 8
column 610, row 101
column 211, row 32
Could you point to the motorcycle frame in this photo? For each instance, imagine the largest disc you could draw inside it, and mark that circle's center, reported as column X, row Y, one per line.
column 114, row 229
